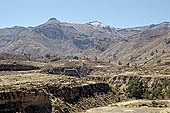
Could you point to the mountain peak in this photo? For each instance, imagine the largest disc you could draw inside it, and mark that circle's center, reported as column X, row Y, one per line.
column 97, row 24
column 53, row 20
column 165, row 23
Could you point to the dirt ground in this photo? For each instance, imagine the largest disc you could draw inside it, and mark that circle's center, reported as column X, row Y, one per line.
column 124, row 110
column 130, row 107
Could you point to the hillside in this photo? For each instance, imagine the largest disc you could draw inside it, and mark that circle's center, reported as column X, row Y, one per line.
column 140, row 45
column 55, row 37
column 149, row 44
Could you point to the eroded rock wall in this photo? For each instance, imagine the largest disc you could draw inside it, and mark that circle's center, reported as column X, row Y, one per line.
column 24, row 101
column 54, row 98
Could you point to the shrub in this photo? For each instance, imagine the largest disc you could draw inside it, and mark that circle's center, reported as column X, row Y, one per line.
column 48, row 56
column 120, row 63
column 155, row 92
column 159, row 61
column 152, row 53
column 135, row 89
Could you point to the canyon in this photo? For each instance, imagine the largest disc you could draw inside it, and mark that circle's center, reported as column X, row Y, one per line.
column 38, row 90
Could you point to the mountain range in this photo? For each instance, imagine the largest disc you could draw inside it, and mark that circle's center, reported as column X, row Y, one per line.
column 93, row 39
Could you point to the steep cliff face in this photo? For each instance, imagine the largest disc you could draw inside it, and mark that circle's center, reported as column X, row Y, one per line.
column 74, row 94
column 55, row 98
column 25, row 101
column 78, row 98
column 68, row 94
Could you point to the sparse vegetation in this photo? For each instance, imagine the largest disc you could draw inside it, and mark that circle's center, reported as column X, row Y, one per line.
column 139, row 89
column 119, row 63
column 76, row 57
column 48, row 56
column 156, row 51
column 159, row 61
column 135, row 89
column 152, row 53
column 114, row 68
column 152, row 62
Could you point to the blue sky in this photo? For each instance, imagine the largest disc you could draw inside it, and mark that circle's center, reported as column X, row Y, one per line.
column 117, row 13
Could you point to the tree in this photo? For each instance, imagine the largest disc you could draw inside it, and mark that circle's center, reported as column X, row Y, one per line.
column 131, row 58
column 114, row 56
column 152, row 53
column 156, row 51
column 163, row 52
column 168, row 91
column 157, row 92
column 76, row 57
column 128, row 64
column 48, row 56
column 120, row 63
column 159, row 61
column 135, row 89
column 95, row 58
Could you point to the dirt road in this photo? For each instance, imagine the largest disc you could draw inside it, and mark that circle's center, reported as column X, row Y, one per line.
column 123, row 110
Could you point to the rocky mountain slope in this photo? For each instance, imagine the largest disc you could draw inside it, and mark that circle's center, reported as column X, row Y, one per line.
column 152, row 43
column 55, row 37
column 141, row 44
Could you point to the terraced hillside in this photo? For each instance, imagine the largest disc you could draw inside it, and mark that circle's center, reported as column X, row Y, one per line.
column 42, row 90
